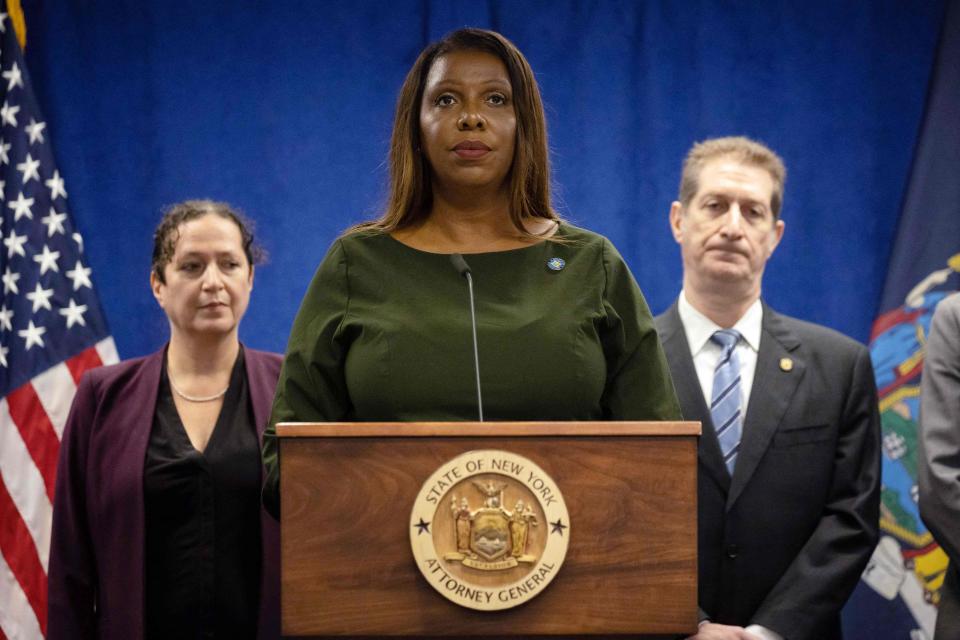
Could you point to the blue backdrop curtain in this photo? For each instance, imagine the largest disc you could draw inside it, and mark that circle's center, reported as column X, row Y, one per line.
column 284, row 109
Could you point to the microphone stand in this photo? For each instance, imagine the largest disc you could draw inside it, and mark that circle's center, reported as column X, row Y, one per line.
column 464, row 270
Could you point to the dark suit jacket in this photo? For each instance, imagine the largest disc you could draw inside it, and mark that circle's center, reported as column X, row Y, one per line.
column 783, row 542
column 939, row 453
column 96, row 571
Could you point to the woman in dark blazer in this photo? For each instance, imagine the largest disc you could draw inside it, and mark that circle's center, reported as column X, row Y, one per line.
column 157, row 526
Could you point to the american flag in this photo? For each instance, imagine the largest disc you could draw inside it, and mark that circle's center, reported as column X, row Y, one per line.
column 52, row 329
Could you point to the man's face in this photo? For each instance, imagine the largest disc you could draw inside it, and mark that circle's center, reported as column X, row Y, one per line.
column 727, row 232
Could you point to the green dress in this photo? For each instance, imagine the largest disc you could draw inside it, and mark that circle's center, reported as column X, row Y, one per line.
column 383, row 334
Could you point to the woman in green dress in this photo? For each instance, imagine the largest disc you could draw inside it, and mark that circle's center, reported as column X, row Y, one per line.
column 384, row 331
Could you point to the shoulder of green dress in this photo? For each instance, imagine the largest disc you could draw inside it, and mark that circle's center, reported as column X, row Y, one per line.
column 581, row 237
column 360, row 239
column 354, row 245
column 592, row 240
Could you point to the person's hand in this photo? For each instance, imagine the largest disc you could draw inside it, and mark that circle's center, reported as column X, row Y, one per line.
column 713, row 631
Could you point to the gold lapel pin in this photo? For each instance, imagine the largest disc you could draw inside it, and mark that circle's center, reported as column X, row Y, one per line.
column 786, row 364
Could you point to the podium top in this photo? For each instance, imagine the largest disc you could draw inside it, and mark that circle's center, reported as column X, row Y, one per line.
column 474, row 429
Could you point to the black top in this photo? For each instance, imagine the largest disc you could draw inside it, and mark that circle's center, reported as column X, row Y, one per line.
column 203, row 521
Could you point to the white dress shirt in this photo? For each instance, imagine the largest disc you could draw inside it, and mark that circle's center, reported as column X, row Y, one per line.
column 706, row 353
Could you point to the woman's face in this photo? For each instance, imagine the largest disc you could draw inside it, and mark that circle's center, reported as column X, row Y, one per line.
column 208, row 279
column 468, row 124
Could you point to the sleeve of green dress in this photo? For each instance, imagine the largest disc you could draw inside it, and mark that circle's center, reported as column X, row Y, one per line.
column 639, row 386
column 311, row 387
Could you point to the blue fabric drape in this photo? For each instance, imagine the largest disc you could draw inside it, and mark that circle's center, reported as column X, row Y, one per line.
column 284, row 108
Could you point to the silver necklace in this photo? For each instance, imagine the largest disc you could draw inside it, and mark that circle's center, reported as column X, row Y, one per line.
column 196, row 398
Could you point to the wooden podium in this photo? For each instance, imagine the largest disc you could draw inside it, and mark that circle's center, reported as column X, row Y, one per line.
column 347, row 490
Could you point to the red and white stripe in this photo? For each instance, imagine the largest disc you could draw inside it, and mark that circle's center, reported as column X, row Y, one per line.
column 32, row 419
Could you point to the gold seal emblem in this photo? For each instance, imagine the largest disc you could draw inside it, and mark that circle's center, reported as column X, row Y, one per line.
column 489, row 530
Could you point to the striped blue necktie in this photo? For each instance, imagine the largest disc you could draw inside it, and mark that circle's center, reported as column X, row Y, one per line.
column 725, row 404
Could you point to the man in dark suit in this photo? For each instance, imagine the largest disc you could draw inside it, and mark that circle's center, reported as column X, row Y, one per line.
column 939, row 454
column 789, row 460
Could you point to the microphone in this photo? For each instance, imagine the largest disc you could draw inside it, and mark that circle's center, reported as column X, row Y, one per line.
column 464, row 270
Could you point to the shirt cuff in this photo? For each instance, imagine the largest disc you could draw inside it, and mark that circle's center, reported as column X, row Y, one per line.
column 763, row 633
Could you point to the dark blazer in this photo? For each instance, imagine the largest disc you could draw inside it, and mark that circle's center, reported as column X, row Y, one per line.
column 96, row 570
column 783, row 542
column 939, row 454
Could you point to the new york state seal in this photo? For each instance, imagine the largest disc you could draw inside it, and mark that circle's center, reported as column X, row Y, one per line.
column 489, row 530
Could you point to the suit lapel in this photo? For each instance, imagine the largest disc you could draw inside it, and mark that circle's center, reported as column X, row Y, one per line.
column 142, row 407
column 773, row 388
column 692, row 402
column 261, row 390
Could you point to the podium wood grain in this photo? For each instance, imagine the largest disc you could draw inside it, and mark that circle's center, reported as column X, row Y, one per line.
column 348, row 568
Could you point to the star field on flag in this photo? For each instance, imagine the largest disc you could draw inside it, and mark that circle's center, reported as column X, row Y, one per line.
column 52, row 329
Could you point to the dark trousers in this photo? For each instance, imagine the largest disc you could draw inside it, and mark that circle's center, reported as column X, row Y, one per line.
column 948, row 618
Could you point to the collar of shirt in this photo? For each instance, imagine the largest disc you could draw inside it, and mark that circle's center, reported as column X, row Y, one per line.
column 698, row 329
